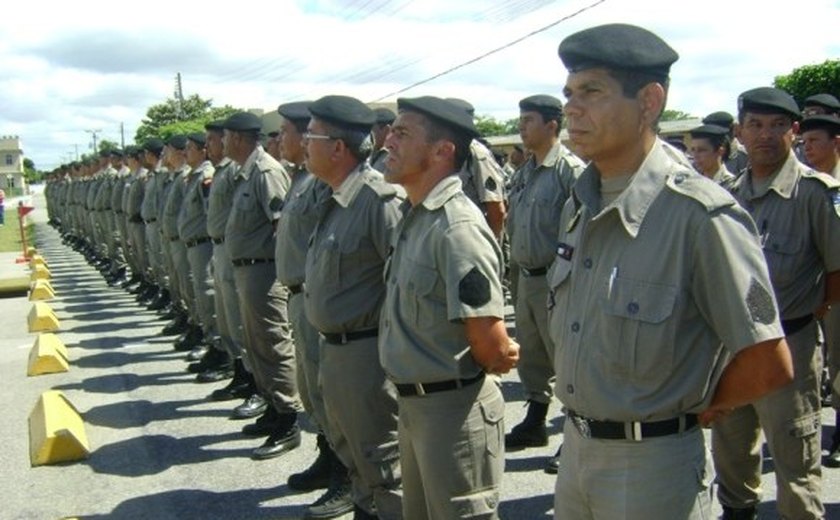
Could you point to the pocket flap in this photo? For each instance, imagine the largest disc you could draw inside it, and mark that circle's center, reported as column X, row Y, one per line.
column 642, row 301
column 478, row 504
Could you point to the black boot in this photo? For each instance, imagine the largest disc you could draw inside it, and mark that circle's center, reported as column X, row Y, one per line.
column 177, row 325
column 316, row 476
column 338, row 499
column 360, row 514
column 191, row 339
column 730, row 513
column 240, row 387
column 161, row 301
column 265, row 424
column 285, row 437
column 833, row 458
column 531, row 431
column 147, row 296
column 215, row 366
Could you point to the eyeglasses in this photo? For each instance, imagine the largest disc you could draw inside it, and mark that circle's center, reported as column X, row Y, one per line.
column 317, row 137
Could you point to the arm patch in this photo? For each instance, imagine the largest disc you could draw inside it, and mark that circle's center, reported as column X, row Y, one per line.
column 474, row 288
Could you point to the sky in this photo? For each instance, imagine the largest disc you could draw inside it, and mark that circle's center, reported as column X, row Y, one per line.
column 71, row 67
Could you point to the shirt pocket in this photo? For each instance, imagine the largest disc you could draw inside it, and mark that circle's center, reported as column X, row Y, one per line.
column 638, row 340
column 356, row 256
column 422, row 305
column 245, row 202
column 782, row 254
column 326, row 261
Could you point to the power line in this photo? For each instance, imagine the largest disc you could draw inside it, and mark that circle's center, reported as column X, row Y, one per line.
column 491, row 52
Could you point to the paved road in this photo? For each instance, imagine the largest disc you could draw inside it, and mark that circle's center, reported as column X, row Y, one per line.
column 160, row 448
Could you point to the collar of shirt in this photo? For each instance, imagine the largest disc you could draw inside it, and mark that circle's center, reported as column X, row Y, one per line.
column 245, row 170
column 348, row 190
column 444, row 190
column 632, row 205
column 722, row 173
column 782, row 182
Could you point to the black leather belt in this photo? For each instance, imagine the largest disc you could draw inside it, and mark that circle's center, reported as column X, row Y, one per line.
column 218, row 241
column 296, row 289
column 136, row 219
column 420, row 389
column 151, row 220
column 239, row 262
column 794, row 325
column 342, row 338
column 539, row 271
column 197, row 241
column 632, row 431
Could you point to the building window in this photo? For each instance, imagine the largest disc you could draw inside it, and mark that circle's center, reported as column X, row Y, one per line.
column 10, row 160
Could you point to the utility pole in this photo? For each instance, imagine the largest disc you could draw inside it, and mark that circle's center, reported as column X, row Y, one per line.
column 179, row 96
column 93, row 134
column 122, row 135
column 77, row 151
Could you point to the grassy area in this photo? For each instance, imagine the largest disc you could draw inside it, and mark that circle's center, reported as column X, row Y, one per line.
column 10, row 233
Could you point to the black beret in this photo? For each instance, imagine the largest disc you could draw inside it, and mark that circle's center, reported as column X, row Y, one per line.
column 542, row 103
column 104, row 153
column 296, row 111
column 709, row 131
column 133, row 151
column 721, row 118
column 443, row 111
column 243, row 122
column 199, row 138
column 617, row 46
column 154, row 145
column 823, row 100
column 343, row 111
column 116, row 152
column 384, row 116
column 768, row 100
column 463, row 104
column 830, row 123
column 179, row 142
column 215, row 126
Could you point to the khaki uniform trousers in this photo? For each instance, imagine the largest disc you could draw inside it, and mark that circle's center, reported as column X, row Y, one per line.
column 269, row 348
column 661, row 478
column 536, row 365
column 790, row 418
column 361, row 407
column 226, row 302
column 200, row 257
column 831, row 322
column 181, row 266
column 452, row 452
column 137, row 234
column 308, row 358
column 171, row 271
column 154, row 247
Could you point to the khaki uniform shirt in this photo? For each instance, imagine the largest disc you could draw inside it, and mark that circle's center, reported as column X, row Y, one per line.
column 482, row 178
column 220, row 200
column 644, row 294
column 173, row 202
column 118, row 189
column 536, row 198
column 724, row 177
column 344, row 287
column 257, row 202
column 297, row 221
column 192, row 218
column 136, row 192
column 378, row 158
column 798, row 219
column 445, row 267
column 149, row 209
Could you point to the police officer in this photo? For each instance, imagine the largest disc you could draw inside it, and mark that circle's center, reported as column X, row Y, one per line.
column 249, row 239
column 821, row 104
column 136, row 226
column 384, row 118
column 660, row 307
column 820, row 143
column 153, row 160
column 735, row 158
column 443, row 323
column 798, row 216
column 537, row 194
column 343, row 297
column 708, row 149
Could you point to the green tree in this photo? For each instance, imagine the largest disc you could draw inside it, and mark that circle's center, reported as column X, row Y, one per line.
column 194, row 110
column 30, row 173
column 489, row 126
column 674, row 115
column 808, row 80
column 107, row 145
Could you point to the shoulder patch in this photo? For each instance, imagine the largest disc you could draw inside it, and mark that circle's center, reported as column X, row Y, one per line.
column 474, row 288
column 760, row 303
column 383, row 189
column 490, row 184
column 826, row 180
column 706, row 192
column 276, row 204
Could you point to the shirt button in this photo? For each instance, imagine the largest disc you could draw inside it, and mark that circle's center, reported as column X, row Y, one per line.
column 570, row 389
column 587, row 263
column 575, row 327
column 632, row 307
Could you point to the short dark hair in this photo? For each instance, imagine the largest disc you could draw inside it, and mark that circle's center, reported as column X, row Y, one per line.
column 436, row 131
column 632, row 81
column 356, row 140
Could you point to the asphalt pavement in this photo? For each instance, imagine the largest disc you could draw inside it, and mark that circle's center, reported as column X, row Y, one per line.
column 159, row 448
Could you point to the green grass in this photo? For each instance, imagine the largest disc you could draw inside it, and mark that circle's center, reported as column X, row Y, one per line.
column 10, row 233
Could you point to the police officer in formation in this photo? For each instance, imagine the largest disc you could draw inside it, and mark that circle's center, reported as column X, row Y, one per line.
column 650, row 300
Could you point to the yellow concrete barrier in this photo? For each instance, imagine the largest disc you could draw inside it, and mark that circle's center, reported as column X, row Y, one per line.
column 56, row 431
column 48, row 356
column 42, row 318
column 36, row 260
column 41, row 290
column 31, row 251
column 40, row 272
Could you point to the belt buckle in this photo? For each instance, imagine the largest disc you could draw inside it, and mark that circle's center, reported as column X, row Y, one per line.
column 582, row 426
column 418, row 387
column 635, row 431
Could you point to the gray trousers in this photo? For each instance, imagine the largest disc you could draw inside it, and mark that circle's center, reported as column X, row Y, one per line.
column 790, row 418
column 172, row 273
column 154, row 247
column 361, row 406
column 114, row 240
column 662, row 478
column 125, row 242
column 181, row 266
column 137, row 234
column 269, row 349
column 308, row 357
column 452, row 452
column 226, row 302
column 536, row 367
column 200, row 260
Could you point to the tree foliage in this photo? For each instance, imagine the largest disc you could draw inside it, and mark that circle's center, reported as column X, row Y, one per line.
column 674, row 115
column 489, row 126
column 30, row 173
column 808, row 80
column 171, row 117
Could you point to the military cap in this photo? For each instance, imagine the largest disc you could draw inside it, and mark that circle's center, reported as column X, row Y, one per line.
column 620, row 47
column 243, row 122
column 132, row 151
column 721, row 118
column 215, row 126
column 179, row 142
column 830, row 123
column 544, row 104
column 443, row 111
column 823, row 100
column 154, row 145
column 677, row 141
column 343, row 111
column 116, row 152
column 768, row 100
column 384, row 116
column 199, row 138
column 295, row 111
column 463, row 104
column 104, row 153
column 709, row 131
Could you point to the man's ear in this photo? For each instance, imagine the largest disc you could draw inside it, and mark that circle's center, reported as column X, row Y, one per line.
column 652, row 100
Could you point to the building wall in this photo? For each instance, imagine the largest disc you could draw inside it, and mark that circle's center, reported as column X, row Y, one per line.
column 11, row 165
